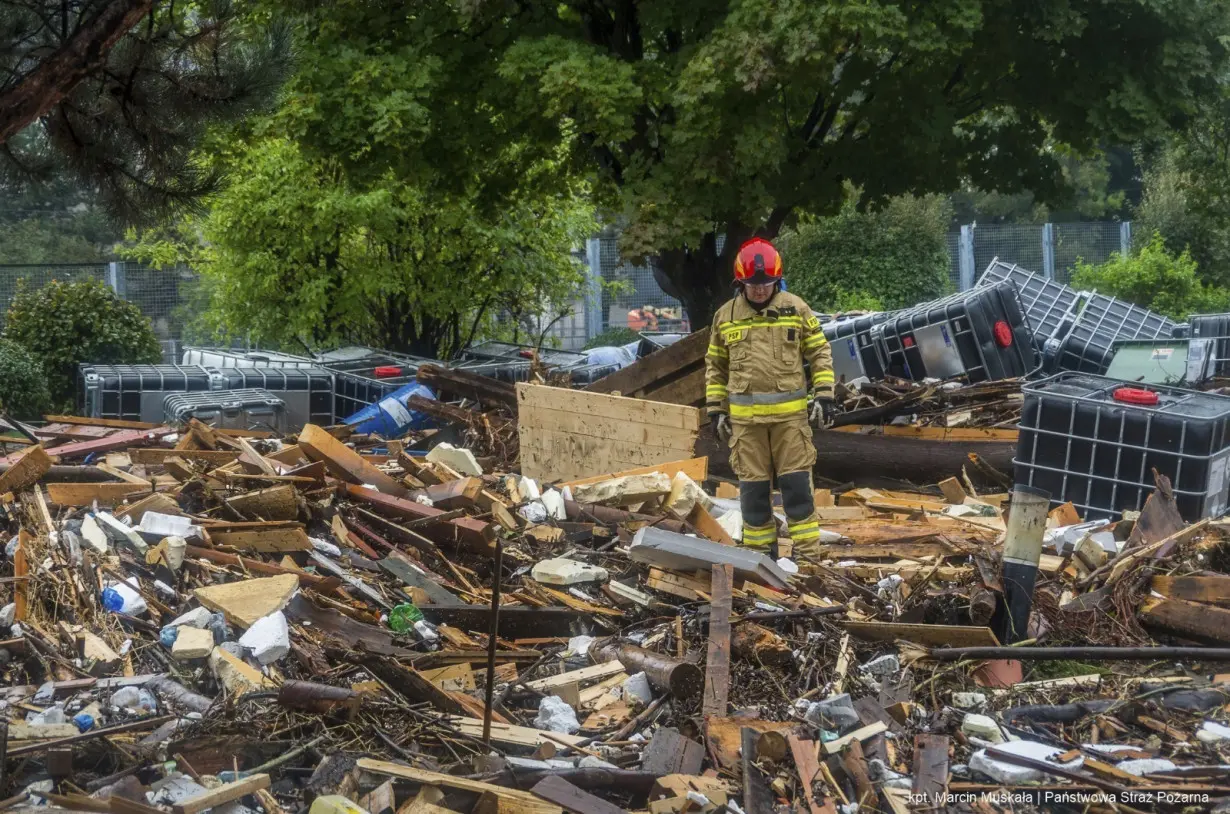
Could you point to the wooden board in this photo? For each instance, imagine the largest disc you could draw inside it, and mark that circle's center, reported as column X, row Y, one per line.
column 344, row 462
column 113, row 423
column 84, row 494
column 27, row 466
column 929, row 635
column 591, row 673
column 705, row 523
column 559, row 791
column 1190, row 620
column 930, row 767
column 264, row 541
column 717, row 662
column 1212, row 589
column 512, row 734
column 573, row 434
column 934, row 433
column 695, row 468
column 274, row 503
column 248, row 600
column 528, row 803
column 222, row 794
column 657, row 370
column 669, row 752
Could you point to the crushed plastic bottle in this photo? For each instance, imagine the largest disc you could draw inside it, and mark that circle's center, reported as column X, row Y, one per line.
column 426, row 631
column 137, row 700
column 217, row 626
column 168, row 635
column 51, row 715
column 403, row 617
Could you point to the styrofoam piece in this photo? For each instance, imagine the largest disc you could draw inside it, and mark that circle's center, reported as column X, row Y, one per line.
column 167, row 525
column 120, row 533
column 192, row 643
column 7, row 614
column 580, row 644
column 1145, row 766
column 528, row 487
column 968, row 700
column 554, row 715
column 883, row 666
column 637, row 687
column 984, row 727
column 1010, row 773
column 535, row 512
column 1212, row 732
column 94, row 535
column 732, row 523
column 553, row 502
column 788, row 565
column 562, row 571
column 834, row 714
column 325, row 547
column 458, row 459
column 268, row 638
column 176, row 548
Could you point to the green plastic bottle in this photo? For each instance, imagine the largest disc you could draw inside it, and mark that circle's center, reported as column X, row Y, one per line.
column 403, row 617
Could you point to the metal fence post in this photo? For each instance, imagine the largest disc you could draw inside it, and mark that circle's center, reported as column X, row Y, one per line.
column 965, row 251
column 593, row 288
column 1125, row 238
column 118, row 279
column 1048, row 250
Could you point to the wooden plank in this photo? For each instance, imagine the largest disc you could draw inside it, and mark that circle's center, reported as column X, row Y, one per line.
column 605, row 406
column 1190, row 620
column 154, row 457
column 123, row 439
column 934, row 433
column 248, row 600
column 1214, row 590
column 401, row 567
column 553, row 456
column 929, row 635
column 263, row 541
column 704, row 522
column 344, row 462
column 25, row 468
column 274, row 503
column 512, row 734
column 21, row 568
column 670, row 752
column 804, row 752
column 628, row 430
column 559, row 791
column 717, row 663
column 687, row 389
column 120, row 474
column 478, row 535
column 455, row 494
column 225, row 793
column 695, row 468
column 657, row 367
column 591, row 673
column 833, row 747
column 259, row 567
column 930, row 768
column 113, row 423
column 757, row 799
column 532, row 804
column 84, row 494
column 953, row 491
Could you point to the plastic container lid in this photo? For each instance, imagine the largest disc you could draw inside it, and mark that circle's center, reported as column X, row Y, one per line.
column 387, row 371
column 1003, row 334
column 1136, row 395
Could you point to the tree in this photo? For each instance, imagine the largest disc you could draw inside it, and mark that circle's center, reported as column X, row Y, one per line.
column 65, row 324
column 116, row 93
column 291, row 251
column 887, row 258
column 706, row 118
column 1156, row 279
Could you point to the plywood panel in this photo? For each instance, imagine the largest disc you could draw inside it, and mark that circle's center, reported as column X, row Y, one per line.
column 566, row 434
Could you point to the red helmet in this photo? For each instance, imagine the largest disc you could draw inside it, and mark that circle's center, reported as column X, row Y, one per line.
column 758, row 263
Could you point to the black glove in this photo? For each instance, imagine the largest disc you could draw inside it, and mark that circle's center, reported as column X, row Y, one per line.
column 721, row 427
column 823, row 413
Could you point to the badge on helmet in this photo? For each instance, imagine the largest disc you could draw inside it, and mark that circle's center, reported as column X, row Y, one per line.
column 758, row 263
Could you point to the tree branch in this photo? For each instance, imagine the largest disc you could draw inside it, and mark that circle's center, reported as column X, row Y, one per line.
column 81, row 55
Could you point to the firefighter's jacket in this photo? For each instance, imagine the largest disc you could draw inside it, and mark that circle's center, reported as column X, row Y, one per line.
column 754, row 366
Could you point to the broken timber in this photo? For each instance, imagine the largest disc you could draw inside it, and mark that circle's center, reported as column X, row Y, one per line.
column 474, row 533
column 717, row 663
column 674, row 374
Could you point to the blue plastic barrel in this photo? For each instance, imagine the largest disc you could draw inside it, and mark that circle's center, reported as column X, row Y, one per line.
column 390, row 417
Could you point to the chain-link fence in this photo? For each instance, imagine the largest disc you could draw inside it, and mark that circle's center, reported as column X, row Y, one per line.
column 1052, row 249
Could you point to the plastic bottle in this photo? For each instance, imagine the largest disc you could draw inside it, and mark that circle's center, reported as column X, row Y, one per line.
column 403, row 617
column 135, row 699
column 217, row 626
column 426, row 631
column 121, row 598
column 168, row 635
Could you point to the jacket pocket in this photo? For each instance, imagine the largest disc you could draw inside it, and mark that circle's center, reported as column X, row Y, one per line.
column 738, row 345
column 788, row 359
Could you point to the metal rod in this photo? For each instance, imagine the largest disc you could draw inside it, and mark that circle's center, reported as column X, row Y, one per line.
column 491, row 640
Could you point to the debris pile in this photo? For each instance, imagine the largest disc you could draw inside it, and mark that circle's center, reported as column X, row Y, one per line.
column 198, row 618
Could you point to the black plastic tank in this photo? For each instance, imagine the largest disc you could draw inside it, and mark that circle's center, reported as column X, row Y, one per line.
column 981, row 334
column 136, row 392
column 855, row 352
column 1089, row 345
column 1049, row 306
column 1095, row 442
column 1216, row 328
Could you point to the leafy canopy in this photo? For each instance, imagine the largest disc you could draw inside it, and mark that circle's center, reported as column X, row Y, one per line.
column 1154, row 278
column 23, row 385
column 65, row 324
column 885, row 258
column 704, row 117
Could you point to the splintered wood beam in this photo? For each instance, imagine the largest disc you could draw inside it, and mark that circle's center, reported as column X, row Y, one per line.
column 476, row 534
column 717, row 662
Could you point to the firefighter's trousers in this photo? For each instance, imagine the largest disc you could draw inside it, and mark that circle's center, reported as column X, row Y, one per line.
column 782, row 448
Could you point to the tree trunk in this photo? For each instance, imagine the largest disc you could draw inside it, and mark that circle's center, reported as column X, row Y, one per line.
column 701, row 278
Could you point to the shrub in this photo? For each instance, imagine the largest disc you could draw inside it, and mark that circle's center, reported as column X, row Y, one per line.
column 1154, row 278
column 65, row 324
column 889, row 258
column 23, row 385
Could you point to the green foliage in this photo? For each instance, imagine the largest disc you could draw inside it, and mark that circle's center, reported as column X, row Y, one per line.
column 1154, row 278
column 870, row 260
column 65, row 324
column 23, row 386
column 612, row 337
column 1065, row 668
column 294, row 248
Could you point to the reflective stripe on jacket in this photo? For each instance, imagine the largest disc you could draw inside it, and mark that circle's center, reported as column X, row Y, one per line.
column 754, row 365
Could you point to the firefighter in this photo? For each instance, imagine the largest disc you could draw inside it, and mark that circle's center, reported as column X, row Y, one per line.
column 757, row 397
